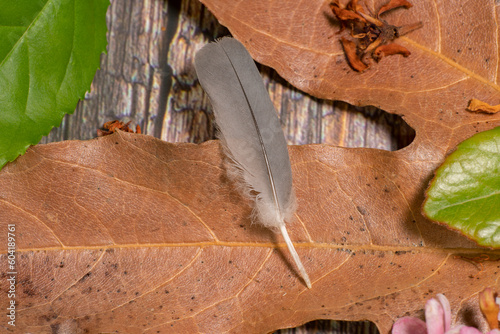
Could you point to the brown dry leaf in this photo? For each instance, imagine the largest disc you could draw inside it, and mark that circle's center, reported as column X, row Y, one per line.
column 454, row 57
column 480, row 106
column 127, row 233
column 130, row 234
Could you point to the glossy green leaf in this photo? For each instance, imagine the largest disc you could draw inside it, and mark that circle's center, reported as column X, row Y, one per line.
column 465, row 192
column 49, row 52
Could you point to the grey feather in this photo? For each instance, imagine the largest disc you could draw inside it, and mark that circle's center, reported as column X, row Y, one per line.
column 250, row 132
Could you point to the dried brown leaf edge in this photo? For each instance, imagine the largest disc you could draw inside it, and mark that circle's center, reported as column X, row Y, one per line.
column 131, row 234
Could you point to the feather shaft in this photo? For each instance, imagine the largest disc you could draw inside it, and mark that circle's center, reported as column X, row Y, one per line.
column 295, row 256
column 250, row 133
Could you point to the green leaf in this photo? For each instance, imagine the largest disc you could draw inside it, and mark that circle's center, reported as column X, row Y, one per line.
column 49, row 52
column 465, row 192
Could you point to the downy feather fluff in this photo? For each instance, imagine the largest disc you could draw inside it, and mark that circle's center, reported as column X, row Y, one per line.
column 250, row 132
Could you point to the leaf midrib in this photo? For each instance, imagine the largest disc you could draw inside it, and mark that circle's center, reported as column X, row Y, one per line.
column 452, row 63
column 301, row 245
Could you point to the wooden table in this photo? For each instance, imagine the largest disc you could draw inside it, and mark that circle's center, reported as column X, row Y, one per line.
column 148, row 78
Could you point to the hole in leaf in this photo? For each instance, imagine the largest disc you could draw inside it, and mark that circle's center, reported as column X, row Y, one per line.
column 374, row 128
column 309, row 120
column 333, row 327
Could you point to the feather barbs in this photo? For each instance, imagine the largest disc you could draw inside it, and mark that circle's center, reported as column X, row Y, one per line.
column 250, row 134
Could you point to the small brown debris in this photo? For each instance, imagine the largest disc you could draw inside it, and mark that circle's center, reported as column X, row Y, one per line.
column 394, row 4
column 352, row 57
column 354, row 6
column 344, row 14
column 480, row 106
column 389, row 50
column 370, row 35
column 113, row 126
column 489, row 308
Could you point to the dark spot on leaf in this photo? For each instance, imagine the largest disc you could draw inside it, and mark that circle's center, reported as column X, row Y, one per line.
column 87, row 275
column 55, row 328
column 29, row 292
column 86, row 291
column 361, row 210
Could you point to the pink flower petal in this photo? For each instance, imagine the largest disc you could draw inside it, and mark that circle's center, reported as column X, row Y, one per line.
column 461, row 329
column 409, row 325
column 455, row 330
column 469, row 330
column 434, row 317
column 447, row 310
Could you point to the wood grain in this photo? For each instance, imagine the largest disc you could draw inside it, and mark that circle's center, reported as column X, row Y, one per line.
column 148, row 78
